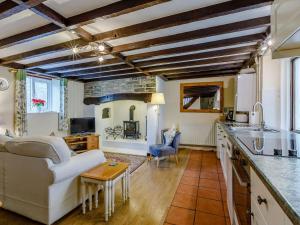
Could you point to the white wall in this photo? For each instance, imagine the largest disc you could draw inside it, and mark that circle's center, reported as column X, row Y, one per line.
column 276, row 91
column 76, row 109
column 120, row 113
column 196, row 128
column 40, row 123
column 7, row 102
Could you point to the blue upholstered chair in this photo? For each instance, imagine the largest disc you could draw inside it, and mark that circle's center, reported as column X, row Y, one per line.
column 161, row 151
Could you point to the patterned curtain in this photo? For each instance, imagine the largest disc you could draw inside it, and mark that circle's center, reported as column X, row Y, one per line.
column 63, row 124
column 20, row 104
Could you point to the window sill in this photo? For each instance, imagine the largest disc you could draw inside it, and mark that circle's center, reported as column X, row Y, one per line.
column 35, row 113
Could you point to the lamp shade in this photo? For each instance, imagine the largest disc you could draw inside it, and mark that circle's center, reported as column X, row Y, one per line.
column 158, row 99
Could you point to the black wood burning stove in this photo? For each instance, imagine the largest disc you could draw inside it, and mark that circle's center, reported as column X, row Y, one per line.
column 131, row 129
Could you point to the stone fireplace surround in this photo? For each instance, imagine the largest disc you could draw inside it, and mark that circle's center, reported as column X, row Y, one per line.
column 119, row 95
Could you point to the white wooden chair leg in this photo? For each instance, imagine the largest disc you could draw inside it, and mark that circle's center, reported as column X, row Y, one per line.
column 83, row 195
column 106, row 201
column 113, row 197
column 96, row 195
column 90, row 197
column 109, row 198
column 157, row 163
column 128, row 183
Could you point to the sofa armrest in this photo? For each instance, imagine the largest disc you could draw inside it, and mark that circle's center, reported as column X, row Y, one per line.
column 77, row 165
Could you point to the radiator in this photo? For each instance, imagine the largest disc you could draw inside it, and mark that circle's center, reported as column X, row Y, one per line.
column 198, row 134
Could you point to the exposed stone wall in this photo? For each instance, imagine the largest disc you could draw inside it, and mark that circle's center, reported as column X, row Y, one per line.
column 128, row 85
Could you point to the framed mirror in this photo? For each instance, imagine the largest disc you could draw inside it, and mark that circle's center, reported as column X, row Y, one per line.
column 202, row 97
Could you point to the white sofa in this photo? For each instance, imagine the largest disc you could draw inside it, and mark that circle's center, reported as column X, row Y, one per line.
column 43, row 187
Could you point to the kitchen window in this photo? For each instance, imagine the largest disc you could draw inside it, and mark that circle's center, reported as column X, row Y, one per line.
column 43, row 95
column 296, row 95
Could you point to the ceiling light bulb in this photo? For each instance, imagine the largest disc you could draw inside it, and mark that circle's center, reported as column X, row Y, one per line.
column 270, row 42
column 73, row 31
column 101, row 59
column 264, row 48
column 75, row 50
column 101, row 48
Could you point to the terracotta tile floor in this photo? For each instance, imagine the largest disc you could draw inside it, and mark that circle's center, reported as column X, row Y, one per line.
column 200, row 198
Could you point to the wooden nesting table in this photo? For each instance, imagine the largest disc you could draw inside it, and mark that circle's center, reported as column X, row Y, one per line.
column 106, row 175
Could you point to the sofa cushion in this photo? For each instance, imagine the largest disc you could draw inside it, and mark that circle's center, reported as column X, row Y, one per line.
column 53, row 148
column 3, row 140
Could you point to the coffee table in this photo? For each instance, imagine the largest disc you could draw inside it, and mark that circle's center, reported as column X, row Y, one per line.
column 107, row 175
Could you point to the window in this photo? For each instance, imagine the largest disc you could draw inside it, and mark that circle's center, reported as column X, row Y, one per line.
column 46, row 90
column 296, row 95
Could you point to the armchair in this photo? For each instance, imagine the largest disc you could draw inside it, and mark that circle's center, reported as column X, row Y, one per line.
column 161, row 151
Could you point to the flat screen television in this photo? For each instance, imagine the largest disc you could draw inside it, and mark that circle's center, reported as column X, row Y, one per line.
column 82, row 125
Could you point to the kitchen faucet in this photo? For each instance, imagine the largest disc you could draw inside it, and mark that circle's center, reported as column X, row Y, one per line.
column 262, row 123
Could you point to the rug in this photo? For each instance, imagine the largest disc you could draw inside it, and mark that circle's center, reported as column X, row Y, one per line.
column 135, row 161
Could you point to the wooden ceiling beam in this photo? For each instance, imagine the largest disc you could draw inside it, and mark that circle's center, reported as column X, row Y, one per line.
column 12, row 7
column 163, row 72
column 194, row 74
column 202, row 33
column 112, row 10
column 198, row 69
column 50, row 15
column 119, row 67
column 231, row 59
column 112, row 77
column 174, row 63
column 185, row 49
column 221, row 9
column 197, row 34
column 211, row 54
column 220, row 74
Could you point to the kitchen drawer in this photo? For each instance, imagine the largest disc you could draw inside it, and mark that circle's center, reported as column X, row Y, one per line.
column 257, row 218
column 269, row 208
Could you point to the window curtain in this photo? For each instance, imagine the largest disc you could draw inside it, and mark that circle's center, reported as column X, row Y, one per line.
column 20, row 104
column 63, row 124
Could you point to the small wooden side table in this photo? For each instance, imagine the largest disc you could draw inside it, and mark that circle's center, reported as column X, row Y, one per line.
column 107, row 175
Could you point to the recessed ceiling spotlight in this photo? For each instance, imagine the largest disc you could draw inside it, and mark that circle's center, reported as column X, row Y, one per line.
column 75, row 50
column 100, row 59
column 101, row 47
column 73, row 31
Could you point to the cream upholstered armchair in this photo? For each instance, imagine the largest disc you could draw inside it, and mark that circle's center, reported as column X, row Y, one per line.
column 39, row 179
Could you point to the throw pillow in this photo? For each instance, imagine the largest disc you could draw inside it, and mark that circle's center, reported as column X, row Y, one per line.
column 169, row 136
column 8, row 133
column 52, row 134
column 3, row 140
column 73, row 153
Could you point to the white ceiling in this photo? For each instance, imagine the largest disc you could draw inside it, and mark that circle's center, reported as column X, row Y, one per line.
column 27, row 20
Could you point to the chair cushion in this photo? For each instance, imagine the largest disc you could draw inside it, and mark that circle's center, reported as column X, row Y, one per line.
column 53, row 148
column 169, row 136
column 161, row 150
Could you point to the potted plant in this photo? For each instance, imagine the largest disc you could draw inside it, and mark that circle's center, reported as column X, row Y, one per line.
column 38, row 103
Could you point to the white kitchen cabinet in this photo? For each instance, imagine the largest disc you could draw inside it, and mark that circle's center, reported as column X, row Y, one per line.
column 229, row 150
column 245, row 96
column 285, row 28
column 265, row 209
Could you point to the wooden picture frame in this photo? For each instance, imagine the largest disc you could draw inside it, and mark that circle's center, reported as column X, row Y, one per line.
column 202, row 84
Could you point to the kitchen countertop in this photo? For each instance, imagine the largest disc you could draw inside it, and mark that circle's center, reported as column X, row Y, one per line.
column 280, row 175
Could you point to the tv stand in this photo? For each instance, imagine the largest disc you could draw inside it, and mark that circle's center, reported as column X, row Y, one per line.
column 82, row 142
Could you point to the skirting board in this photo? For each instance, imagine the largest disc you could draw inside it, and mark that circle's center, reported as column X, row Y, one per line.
column 198, row 147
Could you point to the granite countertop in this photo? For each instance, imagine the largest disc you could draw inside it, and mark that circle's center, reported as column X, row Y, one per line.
column 281, row 175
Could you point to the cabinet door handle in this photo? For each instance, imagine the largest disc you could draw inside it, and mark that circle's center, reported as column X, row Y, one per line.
column 261, row 200
column 250, row 213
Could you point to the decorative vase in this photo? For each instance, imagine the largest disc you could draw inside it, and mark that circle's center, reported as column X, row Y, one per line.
column 39, row 109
